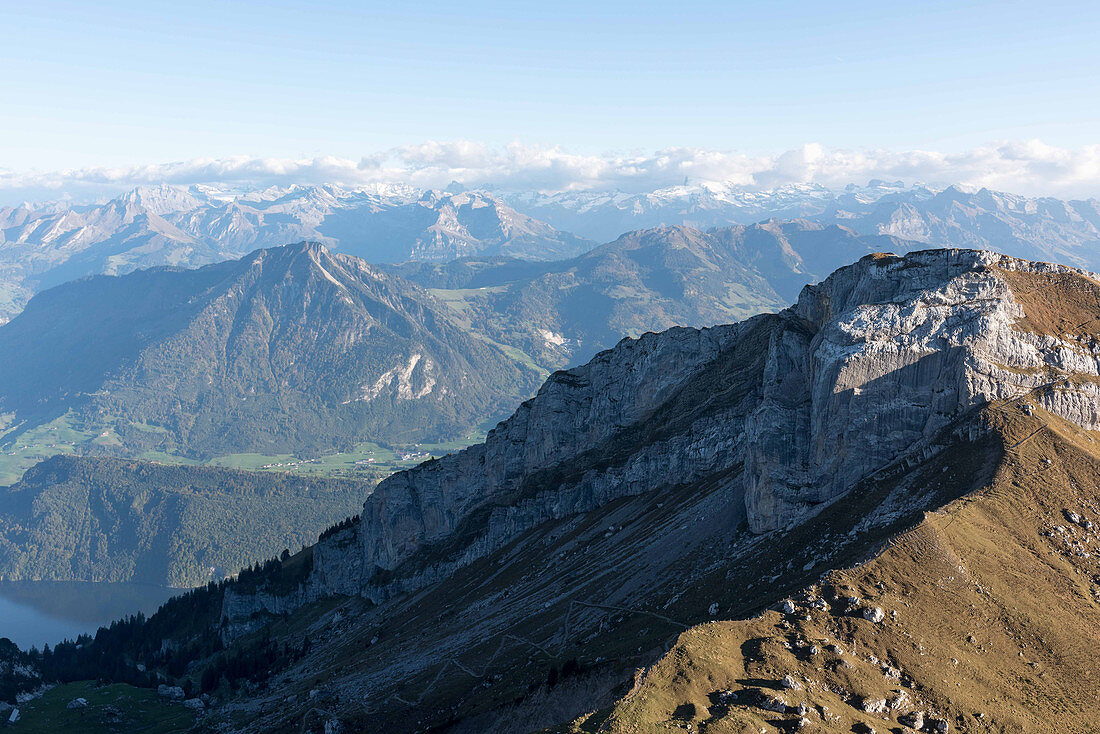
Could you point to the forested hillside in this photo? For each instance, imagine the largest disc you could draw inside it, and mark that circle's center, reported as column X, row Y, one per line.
column 105, row 519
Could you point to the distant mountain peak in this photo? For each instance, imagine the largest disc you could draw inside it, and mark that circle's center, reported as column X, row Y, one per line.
column 268, row 354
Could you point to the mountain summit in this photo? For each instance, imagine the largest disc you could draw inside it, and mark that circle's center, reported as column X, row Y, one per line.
column 289, row 349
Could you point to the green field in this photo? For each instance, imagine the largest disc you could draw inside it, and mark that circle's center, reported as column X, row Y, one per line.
column 116, row 707
column 20, row 452
column 368, row 461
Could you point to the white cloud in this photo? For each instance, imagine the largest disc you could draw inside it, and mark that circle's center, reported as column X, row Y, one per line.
column 1028, row 167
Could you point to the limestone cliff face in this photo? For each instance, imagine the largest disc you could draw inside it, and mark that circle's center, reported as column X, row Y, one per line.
column 620, row 425
column 900, row 347
column 786, row 411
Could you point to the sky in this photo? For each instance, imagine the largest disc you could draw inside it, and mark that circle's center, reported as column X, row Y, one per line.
column 123, row 89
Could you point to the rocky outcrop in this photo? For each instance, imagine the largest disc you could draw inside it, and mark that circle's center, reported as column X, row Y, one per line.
column 786, row 411
column 900, row 347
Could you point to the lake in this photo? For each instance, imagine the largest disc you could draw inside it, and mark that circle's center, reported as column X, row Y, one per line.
column 47, row 612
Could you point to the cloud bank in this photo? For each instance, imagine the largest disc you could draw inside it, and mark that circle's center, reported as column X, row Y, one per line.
column 1029, row 167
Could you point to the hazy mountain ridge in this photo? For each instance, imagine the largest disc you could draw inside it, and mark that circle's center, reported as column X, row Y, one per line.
column 287, row 350
column 47, row 244
column 1044, row 228
column 649, row 280
column 297, row 350
column 603, row 215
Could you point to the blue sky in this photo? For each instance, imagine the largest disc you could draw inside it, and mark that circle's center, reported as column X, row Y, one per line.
column 125, row 83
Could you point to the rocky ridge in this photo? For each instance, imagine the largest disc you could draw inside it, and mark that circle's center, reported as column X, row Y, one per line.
column 644, row 511
column 793, row 409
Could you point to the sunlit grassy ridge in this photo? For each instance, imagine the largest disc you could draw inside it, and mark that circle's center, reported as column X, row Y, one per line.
column 992, row 616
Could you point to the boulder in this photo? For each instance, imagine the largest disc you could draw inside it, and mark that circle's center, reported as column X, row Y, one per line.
column 173, row 692
column 874, row 614
column 899, row 700
column 77, row 703
column 914, row 720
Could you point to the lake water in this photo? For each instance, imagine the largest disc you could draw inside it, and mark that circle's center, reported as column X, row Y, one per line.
column 47, row 612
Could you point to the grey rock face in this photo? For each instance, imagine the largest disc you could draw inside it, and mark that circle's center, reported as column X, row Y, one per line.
column 786, row 411
column 554, row 456
column 899, row 347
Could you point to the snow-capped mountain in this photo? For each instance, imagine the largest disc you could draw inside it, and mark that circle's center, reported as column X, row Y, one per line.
column 1036, row 228
column 605, row 215
column 167, row 225
column 44, row 245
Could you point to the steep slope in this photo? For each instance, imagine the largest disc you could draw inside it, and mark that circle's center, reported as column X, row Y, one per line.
column 991, row 610
column 100, row 519
column 867, row 366
column 166, row 225
column 619, row 503
column 650, row 280
column 702, row 474
column 292, row 349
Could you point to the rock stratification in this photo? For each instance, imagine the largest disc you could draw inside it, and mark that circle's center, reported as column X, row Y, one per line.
column 895, row 349
column 787, row 411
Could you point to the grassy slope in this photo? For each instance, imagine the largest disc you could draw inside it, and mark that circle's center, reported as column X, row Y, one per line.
column 995, row 629
column 138, row 710
column 480, row 648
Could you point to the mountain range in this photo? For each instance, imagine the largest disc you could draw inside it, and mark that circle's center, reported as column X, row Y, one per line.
column 1038, row 228
column 299, row 350
column 565, row 312
column 47, row 244
column 872, row 510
